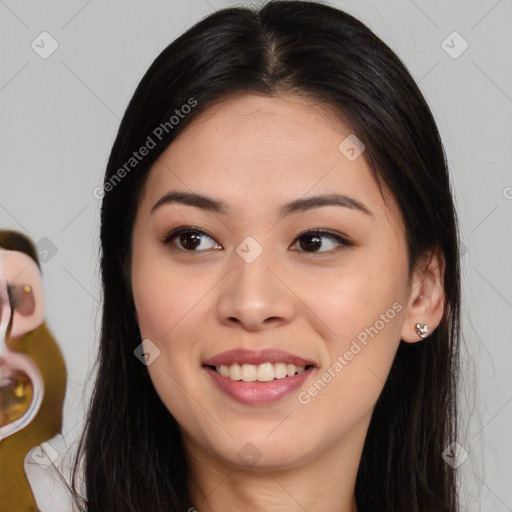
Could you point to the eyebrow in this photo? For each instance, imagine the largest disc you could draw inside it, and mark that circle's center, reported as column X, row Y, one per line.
column 295, row 206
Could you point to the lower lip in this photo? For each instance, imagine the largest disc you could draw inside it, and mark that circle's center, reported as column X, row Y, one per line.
column 256, row 392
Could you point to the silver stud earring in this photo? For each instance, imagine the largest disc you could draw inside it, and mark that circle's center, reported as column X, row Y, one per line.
column 422, row 330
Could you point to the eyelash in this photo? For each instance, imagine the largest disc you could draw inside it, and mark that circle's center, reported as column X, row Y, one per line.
column 318, row 232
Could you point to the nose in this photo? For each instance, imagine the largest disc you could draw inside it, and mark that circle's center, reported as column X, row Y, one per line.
column 255, row 295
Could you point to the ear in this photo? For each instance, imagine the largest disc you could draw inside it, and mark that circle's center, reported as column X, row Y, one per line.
column 427, row 298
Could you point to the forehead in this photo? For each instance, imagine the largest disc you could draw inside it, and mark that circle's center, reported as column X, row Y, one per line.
column 254, row 151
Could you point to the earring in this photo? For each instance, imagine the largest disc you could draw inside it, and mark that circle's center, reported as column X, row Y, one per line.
column 422, row 330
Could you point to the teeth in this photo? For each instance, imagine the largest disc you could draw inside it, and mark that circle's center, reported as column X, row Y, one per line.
column 279, row 370
column 263, row 373
column 234, row 371
column 249, row 372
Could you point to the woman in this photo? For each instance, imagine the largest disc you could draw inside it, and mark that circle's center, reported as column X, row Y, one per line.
column 281, row 278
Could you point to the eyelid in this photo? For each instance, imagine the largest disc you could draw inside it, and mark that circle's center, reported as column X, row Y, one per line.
column 183, row 229
column 343, row 242
column 327, row 233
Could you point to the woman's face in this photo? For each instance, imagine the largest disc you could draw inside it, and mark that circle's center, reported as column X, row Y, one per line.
column 252, row 275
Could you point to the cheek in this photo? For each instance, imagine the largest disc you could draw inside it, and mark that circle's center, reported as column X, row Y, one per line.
column 361, row 310
column 162, row 294
column 169, row 301
column 165, row 309
column 356, row 296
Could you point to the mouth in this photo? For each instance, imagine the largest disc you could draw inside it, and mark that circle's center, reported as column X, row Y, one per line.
column 258, row 378
column 264, row 372
column 254, row 392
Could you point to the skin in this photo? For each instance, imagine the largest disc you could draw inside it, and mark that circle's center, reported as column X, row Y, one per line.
column 256, row 153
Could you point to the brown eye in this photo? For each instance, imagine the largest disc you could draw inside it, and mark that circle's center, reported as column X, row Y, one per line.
column 189, row 239
column 312, row 241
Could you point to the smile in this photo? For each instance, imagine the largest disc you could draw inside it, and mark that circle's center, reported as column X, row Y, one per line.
column 254, row 392
column 263, row 372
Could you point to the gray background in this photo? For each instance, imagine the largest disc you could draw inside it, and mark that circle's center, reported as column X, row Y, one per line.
column 60, row 114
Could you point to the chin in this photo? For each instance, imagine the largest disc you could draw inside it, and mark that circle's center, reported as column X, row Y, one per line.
column 261, row 453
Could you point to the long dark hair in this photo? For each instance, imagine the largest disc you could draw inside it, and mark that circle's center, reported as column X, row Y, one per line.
column 133, row 459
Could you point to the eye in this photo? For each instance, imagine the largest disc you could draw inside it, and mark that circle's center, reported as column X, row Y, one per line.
column 189, row 239
column 313, row 240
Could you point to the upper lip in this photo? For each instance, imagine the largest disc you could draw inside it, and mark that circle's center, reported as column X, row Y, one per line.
column 256, row 357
